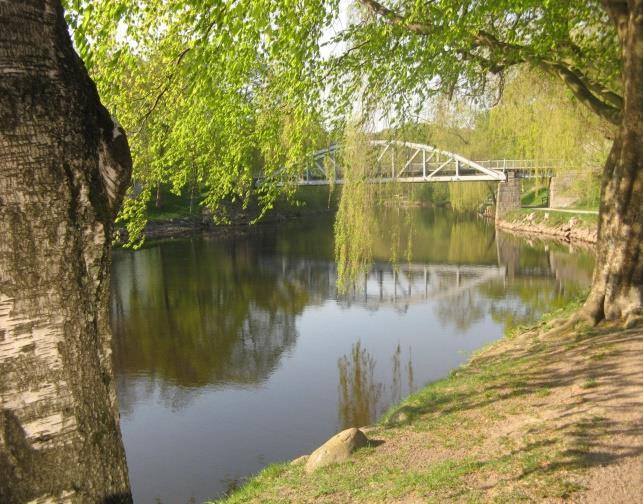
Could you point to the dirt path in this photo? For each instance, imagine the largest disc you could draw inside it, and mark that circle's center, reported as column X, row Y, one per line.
column 564, row 210
column 593, row 413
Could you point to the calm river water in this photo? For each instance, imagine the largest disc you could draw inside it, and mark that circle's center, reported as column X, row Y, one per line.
column 231, row 354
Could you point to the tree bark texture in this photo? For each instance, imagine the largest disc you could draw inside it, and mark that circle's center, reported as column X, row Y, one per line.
column 617, row 288
column 64, row 165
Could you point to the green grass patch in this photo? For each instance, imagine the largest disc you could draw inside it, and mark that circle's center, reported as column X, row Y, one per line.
column 535, row 197
column 551, row 217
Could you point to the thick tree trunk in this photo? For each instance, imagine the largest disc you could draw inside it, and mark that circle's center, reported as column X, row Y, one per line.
column 63, row 167
column 617, row 289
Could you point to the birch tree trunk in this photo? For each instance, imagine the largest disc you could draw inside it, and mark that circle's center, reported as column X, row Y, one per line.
column 617, row 288
column 64, row 165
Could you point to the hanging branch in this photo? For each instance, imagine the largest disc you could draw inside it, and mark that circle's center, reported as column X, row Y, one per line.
column 603, row 102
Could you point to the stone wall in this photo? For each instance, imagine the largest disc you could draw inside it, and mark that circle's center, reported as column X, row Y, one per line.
column 508, row 195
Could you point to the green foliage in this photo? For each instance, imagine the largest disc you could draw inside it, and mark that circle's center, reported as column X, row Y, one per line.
column 538, row 118
column 468, row 197
column 217, row 92
column 224, row 93
column 356, row 224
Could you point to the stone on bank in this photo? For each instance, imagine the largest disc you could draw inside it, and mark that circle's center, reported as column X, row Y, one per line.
column 337, row 449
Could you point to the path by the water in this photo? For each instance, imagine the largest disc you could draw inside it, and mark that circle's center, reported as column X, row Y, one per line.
column 564, row 210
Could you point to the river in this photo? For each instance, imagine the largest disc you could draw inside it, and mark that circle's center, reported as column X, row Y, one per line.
column 231, row 354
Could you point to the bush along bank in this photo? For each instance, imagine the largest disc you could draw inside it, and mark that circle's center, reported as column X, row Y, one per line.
column 543, row 414
column 567, row 226
column 180, row 215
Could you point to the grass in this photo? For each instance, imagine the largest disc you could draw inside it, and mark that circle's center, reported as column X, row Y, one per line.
column 551, row 217
column 173, row 207
column 452, row 444
column 535, row 197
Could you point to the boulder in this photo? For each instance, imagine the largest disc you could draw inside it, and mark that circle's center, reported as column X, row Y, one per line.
column 337, row 449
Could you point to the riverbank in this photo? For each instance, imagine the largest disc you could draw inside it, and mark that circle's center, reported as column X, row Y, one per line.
column 183, row 226
column 538, row 415
column 179, row 216
column 563, row 225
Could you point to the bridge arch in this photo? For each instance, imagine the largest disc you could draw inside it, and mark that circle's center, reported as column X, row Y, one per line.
column 410, row 162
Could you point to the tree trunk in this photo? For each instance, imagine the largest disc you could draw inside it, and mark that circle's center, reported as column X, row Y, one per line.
column 617, row 288
column 64, row 165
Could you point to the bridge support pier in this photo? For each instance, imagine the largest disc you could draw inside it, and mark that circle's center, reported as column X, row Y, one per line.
column 508, row 196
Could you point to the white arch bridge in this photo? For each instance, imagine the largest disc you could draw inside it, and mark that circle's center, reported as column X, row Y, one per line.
column 399, row 161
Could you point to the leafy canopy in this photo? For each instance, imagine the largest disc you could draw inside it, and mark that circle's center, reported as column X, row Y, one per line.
column 226, row 92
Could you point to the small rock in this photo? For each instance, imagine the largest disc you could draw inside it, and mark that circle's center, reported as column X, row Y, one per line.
column 400, row 417
column 299, row 460
column 337, row 449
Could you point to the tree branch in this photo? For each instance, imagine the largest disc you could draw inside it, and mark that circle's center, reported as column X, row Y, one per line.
column 394, row 18
column 582, row 91
column 164, row 89
column 600, row 100
column 171, row 75
column 609, row 108
column 338, row 59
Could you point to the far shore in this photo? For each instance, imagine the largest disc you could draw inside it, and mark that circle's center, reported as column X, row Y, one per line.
column 565, row 225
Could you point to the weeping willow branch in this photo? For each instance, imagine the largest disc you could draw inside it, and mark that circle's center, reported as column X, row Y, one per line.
column 603, row 102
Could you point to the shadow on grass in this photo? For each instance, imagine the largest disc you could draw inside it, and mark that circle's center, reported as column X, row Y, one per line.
column 574, row 438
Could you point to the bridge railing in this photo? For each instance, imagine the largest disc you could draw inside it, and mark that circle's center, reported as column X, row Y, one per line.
column 523, row 164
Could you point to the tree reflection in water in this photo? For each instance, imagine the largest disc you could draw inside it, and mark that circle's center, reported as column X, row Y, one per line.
column 217, row 317
column 362, row 397
column 359, row 393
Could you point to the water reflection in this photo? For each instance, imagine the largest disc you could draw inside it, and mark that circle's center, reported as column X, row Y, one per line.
column 231, row 354
column 362, row 398
column 224, row 316
column 217, row 316
column 359, row 393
